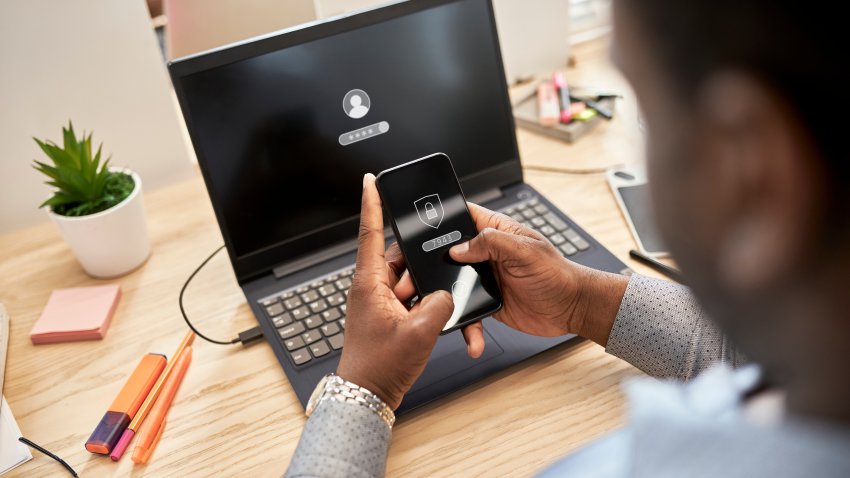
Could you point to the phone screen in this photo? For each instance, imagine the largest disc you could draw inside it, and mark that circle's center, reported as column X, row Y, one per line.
column 428, row 213
column 637, row 203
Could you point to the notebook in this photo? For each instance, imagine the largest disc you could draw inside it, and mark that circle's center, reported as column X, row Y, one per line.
column 80, row 313
column 12, row 452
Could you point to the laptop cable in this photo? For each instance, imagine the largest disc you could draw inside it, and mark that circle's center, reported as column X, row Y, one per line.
column 245, row 337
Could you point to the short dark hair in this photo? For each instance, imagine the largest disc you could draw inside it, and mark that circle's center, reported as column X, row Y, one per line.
column 798, row 48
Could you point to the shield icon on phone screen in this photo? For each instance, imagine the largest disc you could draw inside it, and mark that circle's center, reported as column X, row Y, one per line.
column 430, row 210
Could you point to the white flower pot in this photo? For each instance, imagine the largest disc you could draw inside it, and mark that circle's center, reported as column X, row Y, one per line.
column 113, row 242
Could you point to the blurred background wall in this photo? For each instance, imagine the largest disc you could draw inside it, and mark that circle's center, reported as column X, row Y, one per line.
column 101, row 63
column 96, row 62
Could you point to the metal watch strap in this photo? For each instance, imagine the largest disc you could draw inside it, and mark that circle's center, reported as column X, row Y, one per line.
column 341, row 390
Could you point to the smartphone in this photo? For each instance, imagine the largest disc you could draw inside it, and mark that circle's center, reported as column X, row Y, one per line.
column 427, row 209
column 631, row 191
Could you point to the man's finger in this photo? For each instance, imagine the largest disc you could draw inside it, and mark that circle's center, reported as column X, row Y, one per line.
column 474, row 336
column 370, row 249
column 404, row 288
column 489, row 244
column 395, row 263
column 433, row 312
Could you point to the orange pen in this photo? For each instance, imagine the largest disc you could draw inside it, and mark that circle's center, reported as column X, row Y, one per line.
column 136, row 422
column 152, row 429
column 126, row 405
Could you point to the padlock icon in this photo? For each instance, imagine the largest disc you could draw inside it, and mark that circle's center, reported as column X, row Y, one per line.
column 430, row 211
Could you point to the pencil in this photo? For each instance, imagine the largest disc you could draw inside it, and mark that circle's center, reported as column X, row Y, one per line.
column 657, row 265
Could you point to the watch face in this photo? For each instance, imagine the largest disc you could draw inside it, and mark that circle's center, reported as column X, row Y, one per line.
column 317, row 394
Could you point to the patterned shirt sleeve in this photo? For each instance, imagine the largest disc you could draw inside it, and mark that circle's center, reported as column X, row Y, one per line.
column 661, row 330
column 341, row 440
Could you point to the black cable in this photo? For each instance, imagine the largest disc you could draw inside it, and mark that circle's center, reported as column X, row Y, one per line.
column 62, row 462
column 244, row 337
column 550, row 169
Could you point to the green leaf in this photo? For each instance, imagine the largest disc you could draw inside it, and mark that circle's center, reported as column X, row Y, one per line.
column 81, row 179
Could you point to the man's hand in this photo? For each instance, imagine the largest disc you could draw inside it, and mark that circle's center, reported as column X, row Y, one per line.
column 543, row 293
column 386, row 345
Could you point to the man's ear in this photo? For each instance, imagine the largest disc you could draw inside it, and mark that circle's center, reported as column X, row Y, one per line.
column 769, row 178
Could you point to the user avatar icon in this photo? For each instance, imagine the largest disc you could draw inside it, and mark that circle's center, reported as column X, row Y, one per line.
column 356, row 104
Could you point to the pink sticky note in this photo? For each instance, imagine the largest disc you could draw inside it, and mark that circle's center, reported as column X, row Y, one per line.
column 81, row 313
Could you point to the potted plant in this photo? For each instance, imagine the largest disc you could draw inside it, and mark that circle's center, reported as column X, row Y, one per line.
column 98, row 208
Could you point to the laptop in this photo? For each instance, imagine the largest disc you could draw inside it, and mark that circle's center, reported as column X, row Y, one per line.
column 285, row 126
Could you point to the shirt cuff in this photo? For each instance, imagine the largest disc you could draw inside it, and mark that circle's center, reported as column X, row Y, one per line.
column 654, row 326
column 341, row 439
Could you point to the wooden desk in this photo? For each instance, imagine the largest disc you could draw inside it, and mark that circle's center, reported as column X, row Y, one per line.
column 235, row 413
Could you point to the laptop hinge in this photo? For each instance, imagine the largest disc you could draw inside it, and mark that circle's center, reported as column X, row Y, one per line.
column 326, row 254
column 284, row 270
column 486, row 196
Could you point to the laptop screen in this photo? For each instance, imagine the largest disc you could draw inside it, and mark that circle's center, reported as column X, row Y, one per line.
column 285, row 136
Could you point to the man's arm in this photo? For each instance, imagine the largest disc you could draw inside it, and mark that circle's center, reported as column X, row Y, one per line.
column 661, row 330
column 344, row 440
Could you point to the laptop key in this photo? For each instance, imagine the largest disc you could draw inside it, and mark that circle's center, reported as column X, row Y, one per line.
column 282, row 320
column 581, row 244
column 572, row 235
column 347, row 273
column 309, row 296
column 274, row 310
column 336, row 341
column 302, row 289
column 313, row 321
column 330, row 329
column 327, row 289
column 555, row 221
column 533, row 202
column 342, row 323
column 557, row 239
column 319, row 349
column 292, row 302
column 291, row 330
column 319, row 306
column 287, row 295
column 342, row 308
column 311, row 336
column 301, row 356
column 541, row 209
column 528, row 213
column 336, row 299
column 300, row 313
column 343, row 283
column 293, row 343
column 547, row 230
column 331, row 315
column 538, row 221
column 568, row 249
column 518, row 217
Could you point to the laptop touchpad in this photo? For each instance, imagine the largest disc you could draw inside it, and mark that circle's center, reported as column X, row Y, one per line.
column 449, row 357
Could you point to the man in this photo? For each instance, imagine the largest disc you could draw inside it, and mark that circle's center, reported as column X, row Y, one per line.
column 747, row 163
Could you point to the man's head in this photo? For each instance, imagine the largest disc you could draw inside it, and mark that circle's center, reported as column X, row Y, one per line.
column 747, row 163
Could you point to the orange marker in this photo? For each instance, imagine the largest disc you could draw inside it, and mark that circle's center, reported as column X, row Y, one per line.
column 151, row 431
column 126, row 405
column 148, row 403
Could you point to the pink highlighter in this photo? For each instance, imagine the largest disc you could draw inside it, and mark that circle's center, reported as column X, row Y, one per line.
column 560, row 81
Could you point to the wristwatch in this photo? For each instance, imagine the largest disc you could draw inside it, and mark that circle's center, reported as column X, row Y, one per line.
column 334, row 387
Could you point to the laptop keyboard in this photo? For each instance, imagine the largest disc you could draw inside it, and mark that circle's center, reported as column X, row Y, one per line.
column 310, row 318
